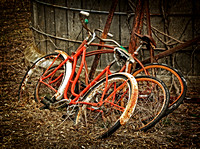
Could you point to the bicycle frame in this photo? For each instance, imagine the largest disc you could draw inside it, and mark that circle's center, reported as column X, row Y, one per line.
column 81, row 51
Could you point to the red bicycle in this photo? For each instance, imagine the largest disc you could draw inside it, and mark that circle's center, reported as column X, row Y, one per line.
column 104, row 104
column 61, row 81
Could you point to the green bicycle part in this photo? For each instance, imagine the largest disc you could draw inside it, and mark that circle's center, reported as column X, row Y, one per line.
column 123, row 48
column 86, row 21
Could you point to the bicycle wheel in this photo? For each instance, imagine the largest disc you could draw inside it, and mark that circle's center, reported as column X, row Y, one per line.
column 153, row 100
column 118, row 94
column 34, row 73
column 172, row 78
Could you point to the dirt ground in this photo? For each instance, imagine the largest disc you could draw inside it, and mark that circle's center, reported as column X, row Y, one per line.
column 23, row 126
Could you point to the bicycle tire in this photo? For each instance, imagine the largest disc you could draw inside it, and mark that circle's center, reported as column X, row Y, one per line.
column 102, row 121
column 179, row 83
column 33, row 74
column 153, row 100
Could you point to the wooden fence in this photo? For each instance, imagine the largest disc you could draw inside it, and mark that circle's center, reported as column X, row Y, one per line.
column 61, row 22
column 56, row 25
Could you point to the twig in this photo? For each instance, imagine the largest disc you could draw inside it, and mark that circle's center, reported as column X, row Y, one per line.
column 52, row 36
column 155, row 29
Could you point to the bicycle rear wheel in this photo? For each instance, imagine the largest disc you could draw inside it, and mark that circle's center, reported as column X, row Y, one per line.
column 172, row 78
column 153, row 100
column 34, row 73
column 119, row 96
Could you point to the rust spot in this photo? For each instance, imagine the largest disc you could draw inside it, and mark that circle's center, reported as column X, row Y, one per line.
column 130, row 107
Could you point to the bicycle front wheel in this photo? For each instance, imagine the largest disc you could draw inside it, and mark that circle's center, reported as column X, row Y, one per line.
column 115, row 99
column 173, row 79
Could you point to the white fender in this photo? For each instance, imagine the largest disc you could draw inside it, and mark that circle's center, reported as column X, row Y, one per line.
column 68, row 71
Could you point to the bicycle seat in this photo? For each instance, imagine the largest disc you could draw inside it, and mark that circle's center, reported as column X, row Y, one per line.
column 146, row 38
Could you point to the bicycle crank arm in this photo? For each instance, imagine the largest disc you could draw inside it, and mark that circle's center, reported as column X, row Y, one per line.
column 47, row 103
column 67, row 101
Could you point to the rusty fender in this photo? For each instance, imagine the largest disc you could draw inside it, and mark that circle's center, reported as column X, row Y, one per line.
column 133, row 101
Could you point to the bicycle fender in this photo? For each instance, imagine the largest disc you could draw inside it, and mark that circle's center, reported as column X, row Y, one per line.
column 68, row 71
column 133, row 101
column 64, row 54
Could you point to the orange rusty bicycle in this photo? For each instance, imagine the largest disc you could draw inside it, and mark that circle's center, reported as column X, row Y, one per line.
column 105, row 103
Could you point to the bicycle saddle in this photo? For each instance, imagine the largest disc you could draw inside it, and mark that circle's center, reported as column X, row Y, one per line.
column 146, row 38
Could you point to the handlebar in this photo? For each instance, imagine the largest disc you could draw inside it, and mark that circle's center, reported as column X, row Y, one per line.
column 85, row 13
column 145, row 38
column 109, row 34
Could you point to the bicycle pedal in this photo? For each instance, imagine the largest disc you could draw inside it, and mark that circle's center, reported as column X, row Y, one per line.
column 46, row 103
column 50, row 100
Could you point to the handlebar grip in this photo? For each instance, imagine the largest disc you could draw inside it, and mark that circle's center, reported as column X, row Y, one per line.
column 109, row 34
column 84, row 13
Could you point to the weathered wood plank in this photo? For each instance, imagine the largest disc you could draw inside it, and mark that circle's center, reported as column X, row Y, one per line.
column 74, row 25
column 41, row 26
column 35, row 20
column 50, row 26
column 61, row 24
column 123, row 27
